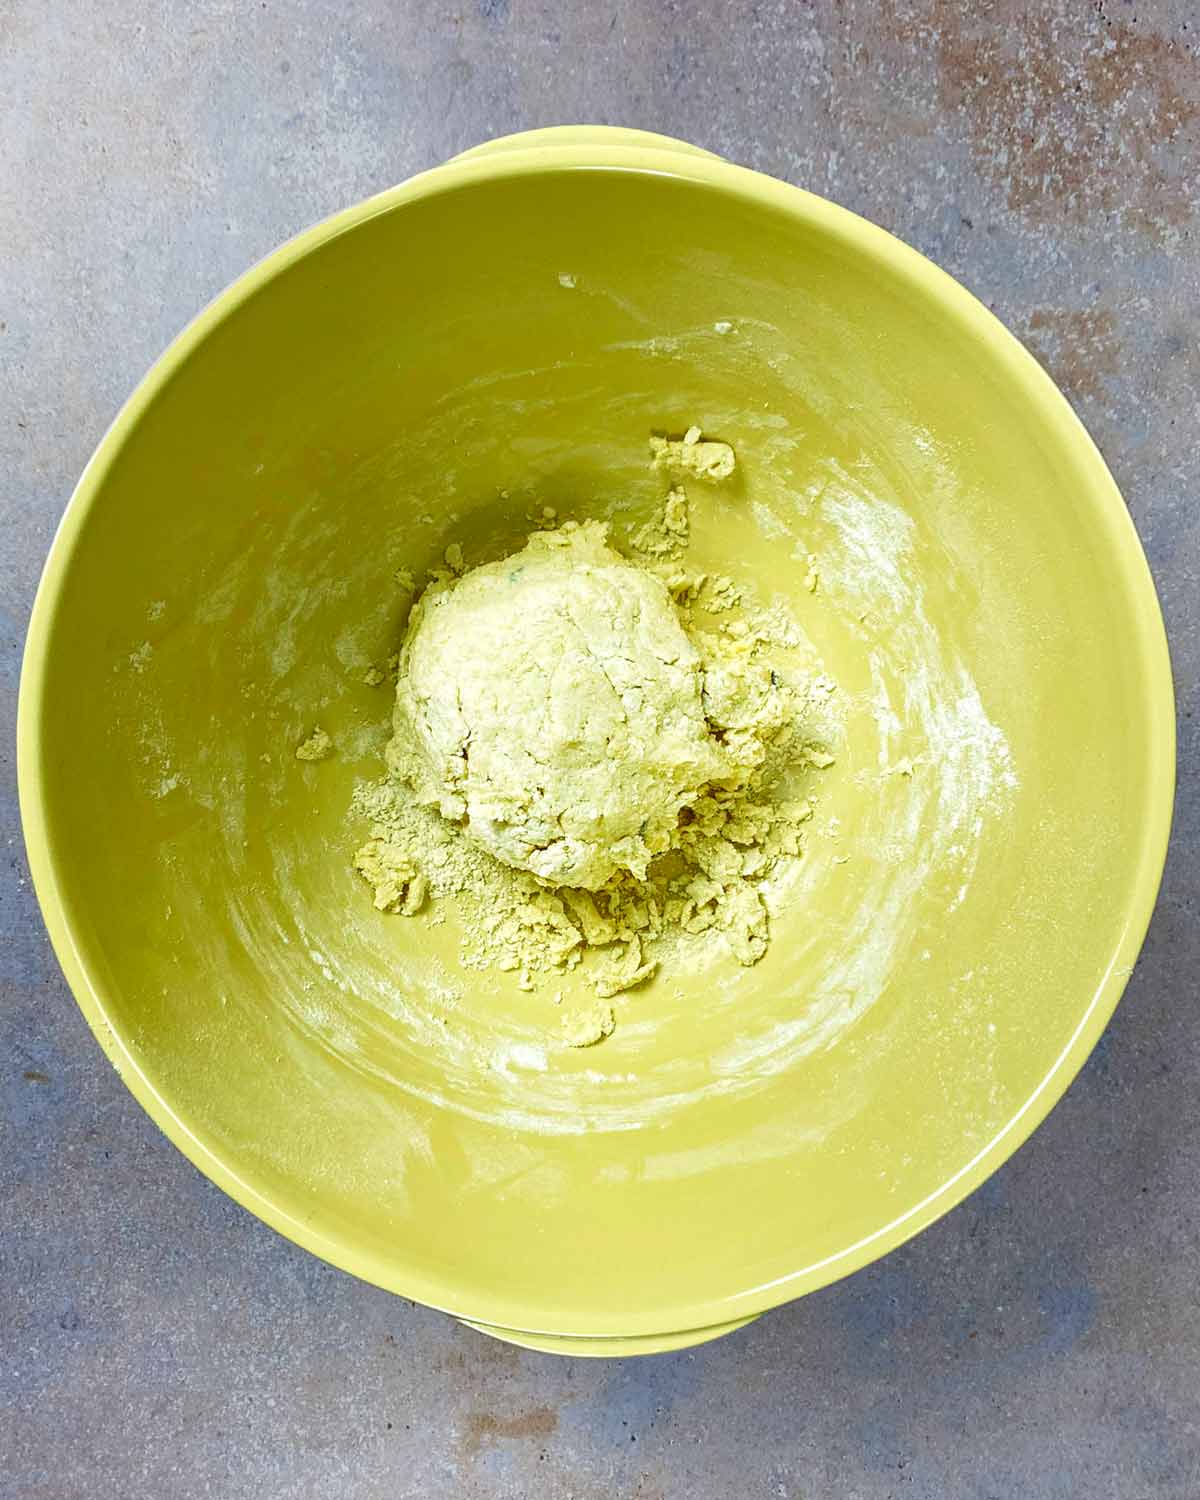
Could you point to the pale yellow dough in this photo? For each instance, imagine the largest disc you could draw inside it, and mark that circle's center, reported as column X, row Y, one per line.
column 553, row 706
column 318, row 746
column 693, row 456
column 591, row 756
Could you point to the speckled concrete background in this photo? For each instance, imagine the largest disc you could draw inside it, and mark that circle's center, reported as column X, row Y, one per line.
column 1044, row 1340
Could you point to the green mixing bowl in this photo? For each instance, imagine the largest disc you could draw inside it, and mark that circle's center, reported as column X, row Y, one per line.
column 428, row 368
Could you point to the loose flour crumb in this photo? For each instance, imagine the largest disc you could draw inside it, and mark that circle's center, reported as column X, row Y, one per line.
column 318, row 746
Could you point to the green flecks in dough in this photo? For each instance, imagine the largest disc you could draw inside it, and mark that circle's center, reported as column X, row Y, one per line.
column 318, row 746
column 389, row 870
column 693, row 457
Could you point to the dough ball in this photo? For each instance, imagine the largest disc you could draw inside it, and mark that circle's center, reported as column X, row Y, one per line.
column 552, row 704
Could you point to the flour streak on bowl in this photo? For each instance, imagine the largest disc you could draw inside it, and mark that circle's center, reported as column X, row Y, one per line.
column 923, row 778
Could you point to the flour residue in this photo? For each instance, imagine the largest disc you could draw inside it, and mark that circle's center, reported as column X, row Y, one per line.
column 299, row 627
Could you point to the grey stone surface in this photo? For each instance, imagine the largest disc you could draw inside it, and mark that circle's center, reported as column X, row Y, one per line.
column 1044, row 1339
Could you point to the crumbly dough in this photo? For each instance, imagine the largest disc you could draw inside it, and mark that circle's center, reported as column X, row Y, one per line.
column 587, row 1027
column 552, row 705
column 666, row 533
column 693, row 456
column 609, row 758
column 318, row 746
column 393, row 875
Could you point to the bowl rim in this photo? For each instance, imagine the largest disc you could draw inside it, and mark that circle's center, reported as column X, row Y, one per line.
column 1113, row 524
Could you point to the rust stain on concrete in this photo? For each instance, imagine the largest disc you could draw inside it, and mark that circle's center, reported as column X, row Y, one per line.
column 1079, row 347
column 1080, row 115
column 539, row 1423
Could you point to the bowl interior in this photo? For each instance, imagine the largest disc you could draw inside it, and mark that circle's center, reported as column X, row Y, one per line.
column 984, row 851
